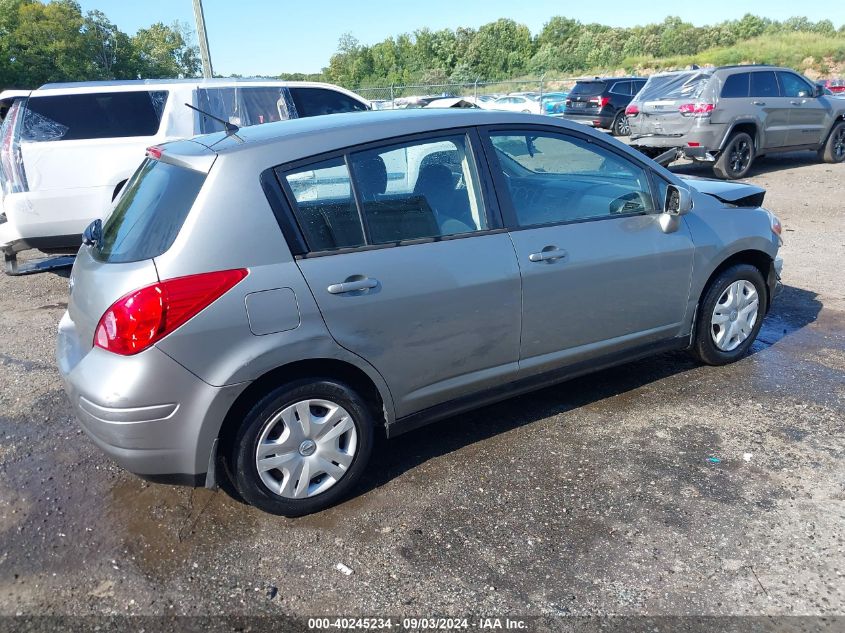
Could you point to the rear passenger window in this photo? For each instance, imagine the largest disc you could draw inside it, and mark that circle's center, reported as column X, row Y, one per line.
column 389, row 195
column 764, row 84
column 93, row 115
column 429, row 189
column 736, row 86
column 325, row 206
column 242, row 106
column 316, row 101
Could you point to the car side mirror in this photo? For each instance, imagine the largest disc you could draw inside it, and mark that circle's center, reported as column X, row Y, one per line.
column 678, row 202
column 818, row 90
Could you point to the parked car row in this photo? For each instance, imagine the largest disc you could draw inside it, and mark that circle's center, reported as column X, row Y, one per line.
column 260, row 303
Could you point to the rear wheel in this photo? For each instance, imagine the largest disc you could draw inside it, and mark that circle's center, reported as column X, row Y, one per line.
column 730, row 315
column 302, row 447
column 736, row 159
column 620, row 125
column 834, row 149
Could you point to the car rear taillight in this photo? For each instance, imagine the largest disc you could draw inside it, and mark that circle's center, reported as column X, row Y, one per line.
column 600, row 101
column 697, row 110
column 154, row 152
column 142, row 317
column 632, row 110
column 11, row 160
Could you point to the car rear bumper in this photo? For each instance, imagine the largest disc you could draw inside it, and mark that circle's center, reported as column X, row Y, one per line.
column 52, row 219
column 587, row 118
column 147, row 412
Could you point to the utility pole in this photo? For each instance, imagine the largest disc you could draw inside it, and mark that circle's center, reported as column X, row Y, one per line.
column 202, row 36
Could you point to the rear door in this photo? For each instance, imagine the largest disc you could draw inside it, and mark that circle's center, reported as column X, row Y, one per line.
column 772, row 108
column 598, row 274
column 409, row 265
column 807, row 114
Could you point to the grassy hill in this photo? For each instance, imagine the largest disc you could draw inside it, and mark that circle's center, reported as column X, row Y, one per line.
column 815, row 55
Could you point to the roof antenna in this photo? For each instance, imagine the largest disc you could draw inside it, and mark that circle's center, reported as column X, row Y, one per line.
column 231, row 128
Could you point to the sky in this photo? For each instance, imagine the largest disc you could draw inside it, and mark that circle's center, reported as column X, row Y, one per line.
column 268, row 37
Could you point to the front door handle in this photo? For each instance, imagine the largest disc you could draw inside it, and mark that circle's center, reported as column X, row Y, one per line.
column 758, row 103
column 796, row 102
column 548, row 254
column 353, row 284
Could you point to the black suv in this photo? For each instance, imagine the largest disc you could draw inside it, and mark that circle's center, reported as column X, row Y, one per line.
column 601, row 102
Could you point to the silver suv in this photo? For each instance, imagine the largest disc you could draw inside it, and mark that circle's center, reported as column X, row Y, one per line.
column 258, row 306
column 731, row 115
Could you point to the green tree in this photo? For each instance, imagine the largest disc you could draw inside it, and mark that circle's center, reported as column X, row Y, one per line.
column 46, row 44
column 163, row 51
column 109, row 49
column 500, row 49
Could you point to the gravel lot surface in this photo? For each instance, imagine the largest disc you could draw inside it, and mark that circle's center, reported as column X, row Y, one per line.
column 592, row 497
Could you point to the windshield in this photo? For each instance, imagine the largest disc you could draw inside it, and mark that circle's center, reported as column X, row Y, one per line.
column 675, row 86
column 150, row 212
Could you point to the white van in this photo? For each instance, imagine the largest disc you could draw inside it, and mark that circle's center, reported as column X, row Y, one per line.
column 67, row 149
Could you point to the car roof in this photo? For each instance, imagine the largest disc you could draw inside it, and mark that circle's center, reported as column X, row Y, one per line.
column 199, row 82
column 313, row 135
column 586, row 80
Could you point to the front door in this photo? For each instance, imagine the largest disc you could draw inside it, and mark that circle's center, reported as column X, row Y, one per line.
column 408, row 267
column 598, row 274
column 807, row 115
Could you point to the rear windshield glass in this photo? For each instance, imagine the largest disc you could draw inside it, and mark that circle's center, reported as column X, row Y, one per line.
column 93, row 115
column 588, row 88
column 150, row 212
column 675, row 86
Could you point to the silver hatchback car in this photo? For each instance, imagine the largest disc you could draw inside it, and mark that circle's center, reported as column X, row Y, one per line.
column 259, row 305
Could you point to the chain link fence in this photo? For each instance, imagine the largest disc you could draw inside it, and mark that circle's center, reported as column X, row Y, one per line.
column 388, row 97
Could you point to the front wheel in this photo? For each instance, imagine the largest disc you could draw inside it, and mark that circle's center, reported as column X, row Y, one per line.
column 730, row 315
column 302, row 447
column 833, row 150
column 620, row 125
column 735, row 160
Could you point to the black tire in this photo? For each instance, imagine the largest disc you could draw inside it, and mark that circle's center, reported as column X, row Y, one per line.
column 833, row 151
column 704, row 348
column 241, row 461
column 620, row 126
column 736, row 159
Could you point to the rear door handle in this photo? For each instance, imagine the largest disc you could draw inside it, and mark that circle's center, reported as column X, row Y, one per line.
column 796, row 102
column 548, row 254
column 758, row 103
column 352, row 285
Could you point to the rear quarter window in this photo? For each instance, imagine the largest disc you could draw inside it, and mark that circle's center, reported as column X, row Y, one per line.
column 93, row 115
column 150, row 212
column 735, row 86
column 317, row 101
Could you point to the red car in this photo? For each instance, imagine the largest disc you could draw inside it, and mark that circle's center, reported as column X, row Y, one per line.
column 836, row 86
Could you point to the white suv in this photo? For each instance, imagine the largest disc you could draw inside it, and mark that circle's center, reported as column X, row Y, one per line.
column 66, row 150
